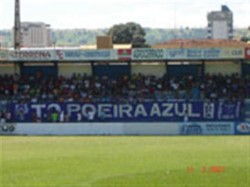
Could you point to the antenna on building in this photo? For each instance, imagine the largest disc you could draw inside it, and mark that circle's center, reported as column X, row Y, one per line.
column 175, row 20
column 17, row 26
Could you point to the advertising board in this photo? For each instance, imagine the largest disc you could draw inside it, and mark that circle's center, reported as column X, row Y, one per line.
column 204, row 53
column 7, row 128
column 137, row 54
column 207, row 128
column 94, row 129
column 124, row 54
column 242, row 128
column 86, row 55
column 148, row 54
column 32, row 55
column 247, row 53
column 232, row 53
column 122, row 128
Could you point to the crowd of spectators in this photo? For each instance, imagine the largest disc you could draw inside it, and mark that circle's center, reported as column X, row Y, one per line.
column 134, row 88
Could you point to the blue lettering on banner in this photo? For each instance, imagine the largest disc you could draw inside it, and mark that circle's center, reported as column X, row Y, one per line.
column 212, row 53
column 218, row 128
column 207, row 128
column 237, row 52
column 141, row 112
column 148, row 54
column 91, row 54
column 194, row 53
column 72, row 54
column 204, row 53
column 176, row 53
column 228, row 111
column 191, row 129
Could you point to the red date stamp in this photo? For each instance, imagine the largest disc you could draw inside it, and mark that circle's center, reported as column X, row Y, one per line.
column 205, row 169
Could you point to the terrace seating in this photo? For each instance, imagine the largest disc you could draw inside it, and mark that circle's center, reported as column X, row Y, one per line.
column 136, row 88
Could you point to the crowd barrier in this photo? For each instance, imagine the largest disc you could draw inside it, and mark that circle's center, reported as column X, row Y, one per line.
column 150, row 128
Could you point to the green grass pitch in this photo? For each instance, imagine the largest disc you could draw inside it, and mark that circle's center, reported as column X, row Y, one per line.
column 119, row 161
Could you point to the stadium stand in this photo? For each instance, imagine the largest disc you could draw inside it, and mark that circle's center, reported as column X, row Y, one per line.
column 145, row 75
column 136, row 88
column 131, row 89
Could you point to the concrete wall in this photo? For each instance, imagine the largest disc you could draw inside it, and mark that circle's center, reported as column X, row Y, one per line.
column 9, row 69
column 223, row 67
column 150, row 128
column 67, row 69
column 157, row 69
column 92, row 129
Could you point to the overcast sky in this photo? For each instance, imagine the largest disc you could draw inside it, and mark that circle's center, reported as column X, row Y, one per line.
column 94, row 14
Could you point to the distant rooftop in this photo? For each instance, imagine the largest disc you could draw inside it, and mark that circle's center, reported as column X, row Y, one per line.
column 29, row 23
column 115, row 46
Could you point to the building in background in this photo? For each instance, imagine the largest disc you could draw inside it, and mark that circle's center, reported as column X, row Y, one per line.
column 220, row 24
column 3, row 41
column 35, row 34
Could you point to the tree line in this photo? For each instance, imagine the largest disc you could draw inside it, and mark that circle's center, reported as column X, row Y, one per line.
column 126, row 33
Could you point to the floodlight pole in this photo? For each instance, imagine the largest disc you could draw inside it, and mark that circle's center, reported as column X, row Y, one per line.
column 17, row 26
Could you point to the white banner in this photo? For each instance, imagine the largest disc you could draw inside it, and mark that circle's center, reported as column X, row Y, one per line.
column 32, row 55
column 86, row 55
column 204, row 53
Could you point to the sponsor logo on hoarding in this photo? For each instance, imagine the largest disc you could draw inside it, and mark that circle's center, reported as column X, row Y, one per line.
column 220, row 127
column 21, row 110
column 247, row 53
column 206, row 128
column 176, row 53
column 7, row 128
column 194, row 53
column 243, row 127
column 91, row 54
column 191, row 129
column 124, row 54
column 211, row 53
column 148, row 54
column 206, row 53
column 30, row 55
column 85, row 54
column 59, row 54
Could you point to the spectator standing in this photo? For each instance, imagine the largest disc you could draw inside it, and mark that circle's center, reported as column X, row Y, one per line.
column 102, row 115
column 61, row 116
column 2, row 117
column 79, row 117
column 8, row 117
column 35, row 117
column 66, row 117
column 54, row 116
column 90, row 115
column 185, row 117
